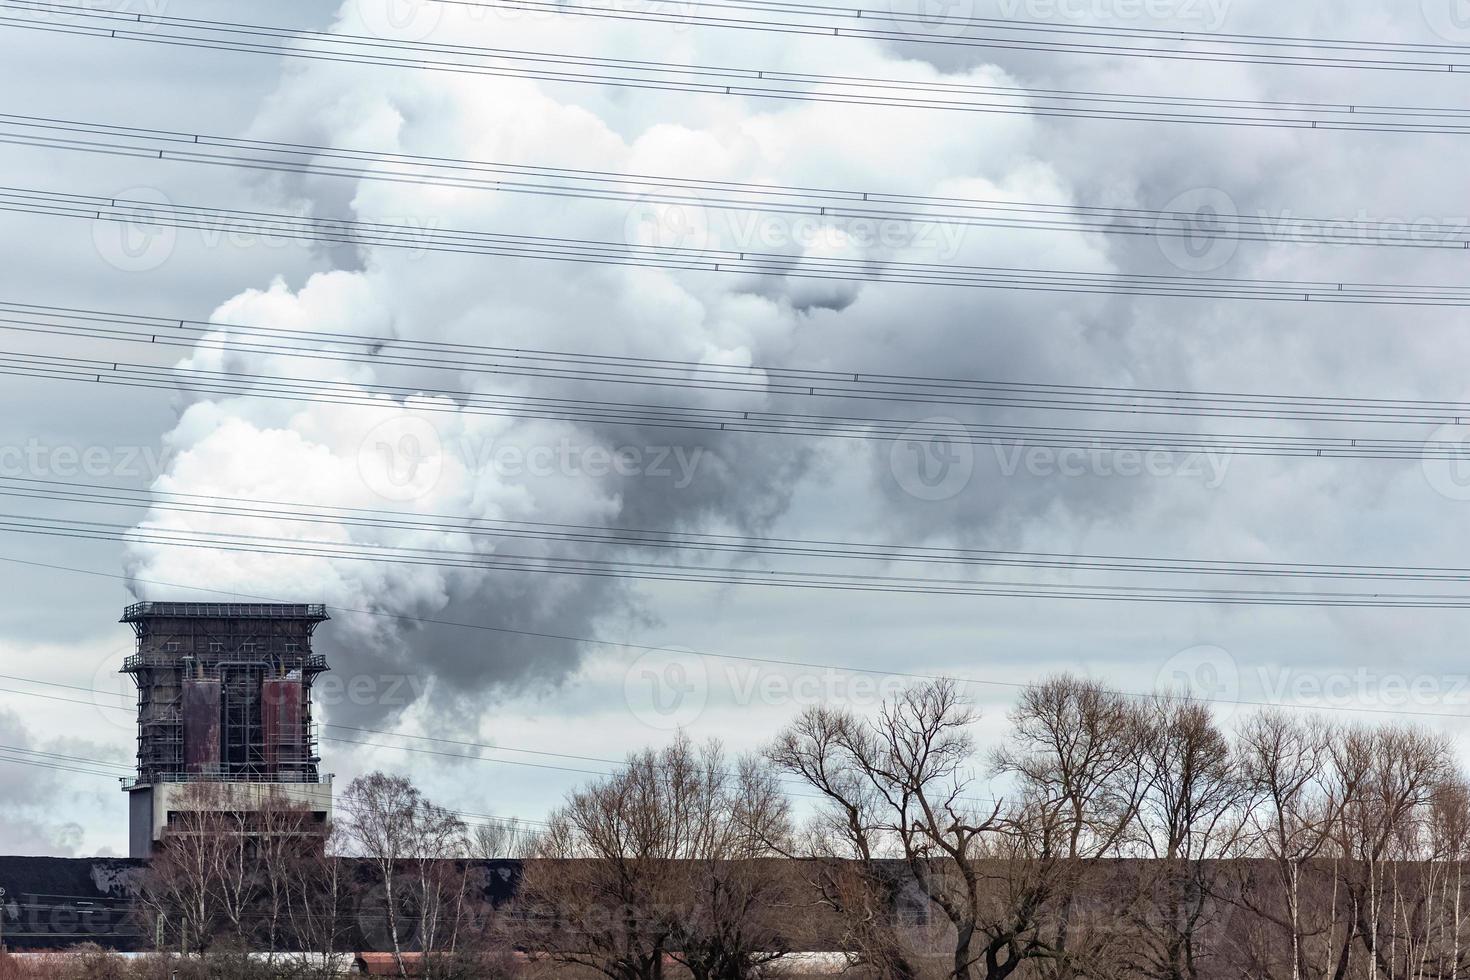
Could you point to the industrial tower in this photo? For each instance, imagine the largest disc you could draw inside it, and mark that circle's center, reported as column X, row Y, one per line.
column 224, row 697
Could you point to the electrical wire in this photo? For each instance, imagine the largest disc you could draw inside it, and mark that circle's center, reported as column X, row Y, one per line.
column 478, row 746
column 503, row 531
column 470, row 817
column 958, row 680
column 829, row 206
column 291, row 547
column 659, row 76
column 215, row 221
column 923, row 432
column 820, row 20
column 318, row 343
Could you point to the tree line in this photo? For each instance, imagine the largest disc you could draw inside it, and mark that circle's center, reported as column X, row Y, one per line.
column 1106, row 836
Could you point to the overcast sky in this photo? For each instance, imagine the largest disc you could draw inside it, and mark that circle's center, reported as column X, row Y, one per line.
column 550, row 695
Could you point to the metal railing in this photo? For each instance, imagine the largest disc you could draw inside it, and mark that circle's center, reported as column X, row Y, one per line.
column 226, row 610
column 139, row 661
column 215, row 776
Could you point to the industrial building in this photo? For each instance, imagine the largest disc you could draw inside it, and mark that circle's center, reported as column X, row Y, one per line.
column 224, row 697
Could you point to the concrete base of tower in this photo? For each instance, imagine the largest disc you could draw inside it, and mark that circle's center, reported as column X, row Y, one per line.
column 156, row 809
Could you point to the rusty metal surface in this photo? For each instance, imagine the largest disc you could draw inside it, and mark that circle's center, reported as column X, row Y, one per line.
column 201, row 725
column 282, row 717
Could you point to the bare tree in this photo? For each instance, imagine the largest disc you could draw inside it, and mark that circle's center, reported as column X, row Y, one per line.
column 1076, row 751
column 900, row 786
column 200, row 883
column 732, row 895
column 413, row 847
column 654, row 863
column 1385, row 779
column 1190, row 819
column 1285, row 761
column 497, row 839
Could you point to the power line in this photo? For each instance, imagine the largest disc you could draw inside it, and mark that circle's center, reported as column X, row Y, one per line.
column 827, row 205
column 470, row 817
column 292, row 547
column 293, row 511
column 593, row 252
column 126, row 771
column 1013, row 34
column 760, row 379
column 930, row 431
column 656, row 76
column 479, row 746
column 20, row 755
column 960, row 680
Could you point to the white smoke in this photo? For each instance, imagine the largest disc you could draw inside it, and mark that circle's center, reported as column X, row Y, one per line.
column 407, row 458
